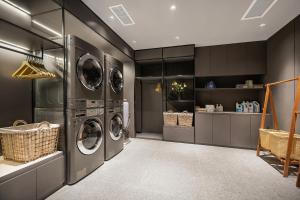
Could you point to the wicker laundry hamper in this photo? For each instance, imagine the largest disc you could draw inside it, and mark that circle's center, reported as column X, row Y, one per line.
column 264, row 135
column 185, row 119
column 28, row 142
column 279, row 143
column 170, row 118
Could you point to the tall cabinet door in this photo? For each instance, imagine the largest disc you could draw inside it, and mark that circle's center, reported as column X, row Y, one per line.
column 218, row 60
column 221, row 129
column 203, row 128
column 240, row 130
column 202, row 61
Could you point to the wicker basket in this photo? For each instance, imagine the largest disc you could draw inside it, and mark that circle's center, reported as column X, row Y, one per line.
column 279, row 143
column 264, row 135
column 170, row 119
column 28, row 142
column 185, row 119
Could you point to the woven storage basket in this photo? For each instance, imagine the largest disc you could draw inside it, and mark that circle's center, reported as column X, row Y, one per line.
column 279, row 142
column 28, row 142
column 264, row 135
column 185, row 119
column 170, row 119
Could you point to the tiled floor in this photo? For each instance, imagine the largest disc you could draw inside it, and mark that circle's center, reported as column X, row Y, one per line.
column 151, row 169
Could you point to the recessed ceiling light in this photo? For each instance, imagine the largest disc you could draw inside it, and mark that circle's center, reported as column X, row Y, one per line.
column 133, row 41
column 111, row 17
column 177, row 37
column 262, row 25
column 173, row 7
column 258, row 9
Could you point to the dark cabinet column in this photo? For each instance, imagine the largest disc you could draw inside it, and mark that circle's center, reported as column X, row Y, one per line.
column 203, row 128
column 202, row 61
column 221, row 129
column 256, row 58
column 237, row 58
column 218, row 61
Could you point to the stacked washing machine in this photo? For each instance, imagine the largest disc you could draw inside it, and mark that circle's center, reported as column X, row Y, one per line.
column 114, row 140
column 85, row 85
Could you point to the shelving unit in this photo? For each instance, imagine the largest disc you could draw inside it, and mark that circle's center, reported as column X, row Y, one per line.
column 225, row 89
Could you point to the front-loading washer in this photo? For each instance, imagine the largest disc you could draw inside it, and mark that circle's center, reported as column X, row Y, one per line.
column 85, row 142
column 114, row 78
column 114, row 140
column 85, row 75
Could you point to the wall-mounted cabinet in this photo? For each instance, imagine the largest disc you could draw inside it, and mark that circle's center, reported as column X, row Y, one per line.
column 232, row 59
column 179, row 51
column 149, row 54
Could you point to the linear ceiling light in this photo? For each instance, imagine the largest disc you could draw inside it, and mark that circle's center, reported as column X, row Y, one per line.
column 18, row 7
column 120, row 12
column 258, row 9
column 46, row 28
column 13, row 45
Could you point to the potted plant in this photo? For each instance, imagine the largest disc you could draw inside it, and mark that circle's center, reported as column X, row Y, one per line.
column 178, row 88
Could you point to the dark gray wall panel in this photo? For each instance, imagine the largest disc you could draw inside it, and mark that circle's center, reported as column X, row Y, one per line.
column 138, row 106
column 16, row 94
column 280, row 67
column 152, row 119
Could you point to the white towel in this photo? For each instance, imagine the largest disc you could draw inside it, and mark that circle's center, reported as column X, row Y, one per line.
column 125, row 114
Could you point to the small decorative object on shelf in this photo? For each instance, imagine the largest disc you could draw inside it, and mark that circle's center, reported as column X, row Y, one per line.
column 210, row 108
column 178, row 88
column 219, row 108
column 248, row 107
column 210, row 85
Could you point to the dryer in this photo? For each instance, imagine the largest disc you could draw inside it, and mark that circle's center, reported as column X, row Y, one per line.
column 114, row 78
column 114, row 140
column 85, row 72
column 85, row 142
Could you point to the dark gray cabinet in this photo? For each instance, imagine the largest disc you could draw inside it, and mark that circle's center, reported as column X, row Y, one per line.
column 148, row 54
column 179, row 51
column 19, row 188
column 218, row 61
column 240, row 131
column 232, row 59
column 221, row 129
column 202, row 61
column 178, row 134
column 50, row 177
column 203, row 128
column 34, row 181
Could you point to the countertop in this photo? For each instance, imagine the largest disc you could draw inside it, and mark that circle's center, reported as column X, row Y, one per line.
column 230, row 113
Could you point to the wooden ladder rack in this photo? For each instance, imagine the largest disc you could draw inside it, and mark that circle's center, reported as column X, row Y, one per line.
column 269, row 97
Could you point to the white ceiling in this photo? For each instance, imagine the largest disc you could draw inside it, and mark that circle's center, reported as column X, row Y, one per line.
column 200, row 22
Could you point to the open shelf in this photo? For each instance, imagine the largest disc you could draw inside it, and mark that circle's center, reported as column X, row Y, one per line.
column 15, row 34
column 226, row 89
column 149, row 78
column 181, row 101
column 179, row 77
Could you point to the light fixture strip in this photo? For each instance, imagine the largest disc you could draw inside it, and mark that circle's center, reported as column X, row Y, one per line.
column 117, row 16
column 256, row 17
column 15, row 46
column 18, row 7
column 46, row 28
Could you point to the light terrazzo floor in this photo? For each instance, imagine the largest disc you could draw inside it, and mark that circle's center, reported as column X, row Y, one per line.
column 158, row 170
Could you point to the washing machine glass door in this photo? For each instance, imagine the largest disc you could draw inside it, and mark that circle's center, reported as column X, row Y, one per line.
column 116, row 127
column 116, row 80
column 90, row 72
column 90, row 136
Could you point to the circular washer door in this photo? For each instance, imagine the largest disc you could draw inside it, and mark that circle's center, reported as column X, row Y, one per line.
column 90, row 136
column 116, row 127
column 116, row 80
column 90, row 72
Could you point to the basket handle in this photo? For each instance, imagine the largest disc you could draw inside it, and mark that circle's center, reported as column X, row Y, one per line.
column 19, row 122
column 43, row 124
